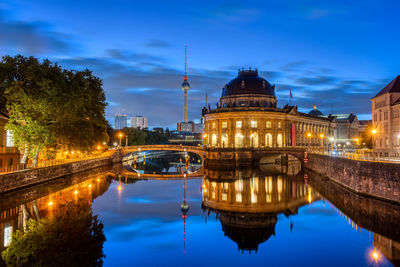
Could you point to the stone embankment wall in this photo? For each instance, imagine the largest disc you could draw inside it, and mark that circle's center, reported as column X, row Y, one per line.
column 376, row 179
column 380, row 217
column 30, row 177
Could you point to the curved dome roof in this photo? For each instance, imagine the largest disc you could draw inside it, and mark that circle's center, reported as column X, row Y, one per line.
column 248, row 82
column 248, row 231
column 315, row 112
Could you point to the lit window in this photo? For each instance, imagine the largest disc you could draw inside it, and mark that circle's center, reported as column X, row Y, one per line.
column 253, row 124
column 224, row 124
column 239, row 197
column 224, row 196
column 239, row 185
column 213, row 125
column 238, row 124
column 8, row 229
column 9, row 138
column 268, row 124
column 279, row 124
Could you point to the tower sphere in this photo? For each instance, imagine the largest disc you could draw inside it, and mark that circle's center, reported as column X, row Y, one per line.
column 185, row 85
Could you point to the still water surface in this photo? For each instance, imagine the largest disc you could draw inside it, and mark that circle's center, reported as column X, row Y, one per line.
column 242, row 217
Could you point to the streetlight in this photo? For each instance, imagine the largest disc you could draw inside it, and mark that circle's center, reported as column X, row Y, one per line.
column 373, row 132
column 308, row 135
column 120, row 138
column 204, row 141
column 322, row 136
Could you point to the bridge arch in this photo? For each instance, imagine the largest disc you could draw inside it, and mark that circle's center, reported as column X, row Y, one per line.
column 193, row 149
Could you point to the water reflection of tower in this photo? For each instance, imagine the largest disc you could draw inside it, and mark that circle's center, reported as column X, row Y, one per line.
column 184, row 209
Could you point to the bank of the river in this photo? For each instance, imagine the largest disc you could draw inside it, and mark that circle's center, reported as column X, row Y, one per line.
column 29, row 177
column 374, row 179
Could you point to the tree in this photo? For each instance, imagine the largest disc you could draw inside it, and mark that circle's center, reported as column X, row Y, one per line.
column 50, row 107
column 72, row 237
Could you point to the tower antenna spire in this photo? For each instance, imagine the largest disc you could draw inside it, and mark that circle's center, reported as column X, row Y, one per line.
column 185, row 87
column 185, row 77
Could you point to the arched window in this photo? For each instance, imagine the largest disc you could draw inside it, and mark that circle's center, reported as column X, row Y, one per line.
column 279, row 140
column 239, row 140
column 224, row 140
column 254, row 140
column 214, row 140
column 268, row 140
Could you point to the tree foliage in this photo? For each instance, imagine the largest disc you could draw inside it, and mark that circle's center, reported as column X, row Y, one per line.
column 72, row 237
column 50, row 107
column 139, row 137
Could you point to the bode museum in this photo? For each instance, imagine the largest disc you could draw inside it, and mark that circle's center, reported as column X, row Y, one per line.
column 247, row 116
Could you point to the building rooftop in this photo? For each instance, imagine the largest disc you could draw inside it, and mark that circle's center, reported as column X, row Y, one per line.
column 248, row 82
column 392, row 87
column 315, row 112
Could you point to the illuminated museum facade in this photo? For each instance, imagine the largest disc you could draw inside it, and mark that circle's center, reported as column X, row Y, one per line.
column 247, row 116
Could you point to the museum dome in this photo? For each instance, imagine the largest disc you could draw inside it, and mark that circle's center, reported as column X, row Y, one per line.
column 315, row 112
column 248, row 82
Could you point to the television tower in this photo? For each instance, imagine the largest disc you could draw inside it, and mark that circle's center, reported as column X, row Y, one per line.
column 185, row 87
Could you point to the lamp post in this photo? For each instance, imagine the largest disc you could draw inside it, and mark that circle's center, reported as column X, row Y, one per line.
column 120, row 138
column 322, row 137
column 308, row 135
column 373, row 132
column 204, row 139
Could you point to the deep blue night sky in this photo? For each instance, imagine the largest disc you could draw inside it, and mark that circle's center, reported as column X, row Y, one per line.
column 337, row 54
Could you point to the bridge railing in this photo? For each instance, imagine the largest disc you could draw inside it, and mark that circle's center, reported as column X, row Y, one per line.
column 170, row 147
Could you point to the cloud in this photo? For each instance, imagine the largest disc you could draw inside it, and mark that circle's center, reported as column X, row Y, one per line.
column 157, row 44
column 294, row 66
column 129, row 56
column 229, row 11
column 317, row 80
column 35, row 38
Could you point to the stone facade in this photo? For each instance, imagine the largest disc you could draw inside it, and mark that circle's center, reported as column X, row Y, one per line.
column 378, row 216
column 380, row 180
column 386, row 119
column 265, row 128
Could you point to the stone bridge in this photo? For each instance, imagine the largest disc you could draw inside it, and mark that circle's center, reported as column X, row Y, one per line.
column 194, row 149
column 224, row 156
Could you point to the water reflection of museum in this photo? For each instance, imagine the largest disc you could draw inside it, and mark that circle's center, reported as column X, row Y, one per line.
column 248, row 206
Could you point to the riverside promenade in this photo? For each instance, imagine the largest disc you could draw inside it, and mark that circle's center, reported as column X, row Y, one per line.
column 18, row 179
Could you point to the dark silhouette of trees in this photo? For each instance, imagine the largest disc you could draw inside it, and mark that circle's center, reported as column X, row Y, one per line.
column 73, row 236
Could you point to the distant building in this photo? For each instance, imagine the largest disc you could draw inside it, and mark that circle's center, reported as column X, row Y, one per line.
column 190, row 127
column 386, row 119
column 139, row 122
column 347, row 128
column 364, row 124
column 121, row 122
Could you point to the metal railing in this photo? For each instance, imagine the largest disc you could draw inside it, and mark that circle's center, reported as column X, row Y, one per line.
column 360, row 156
